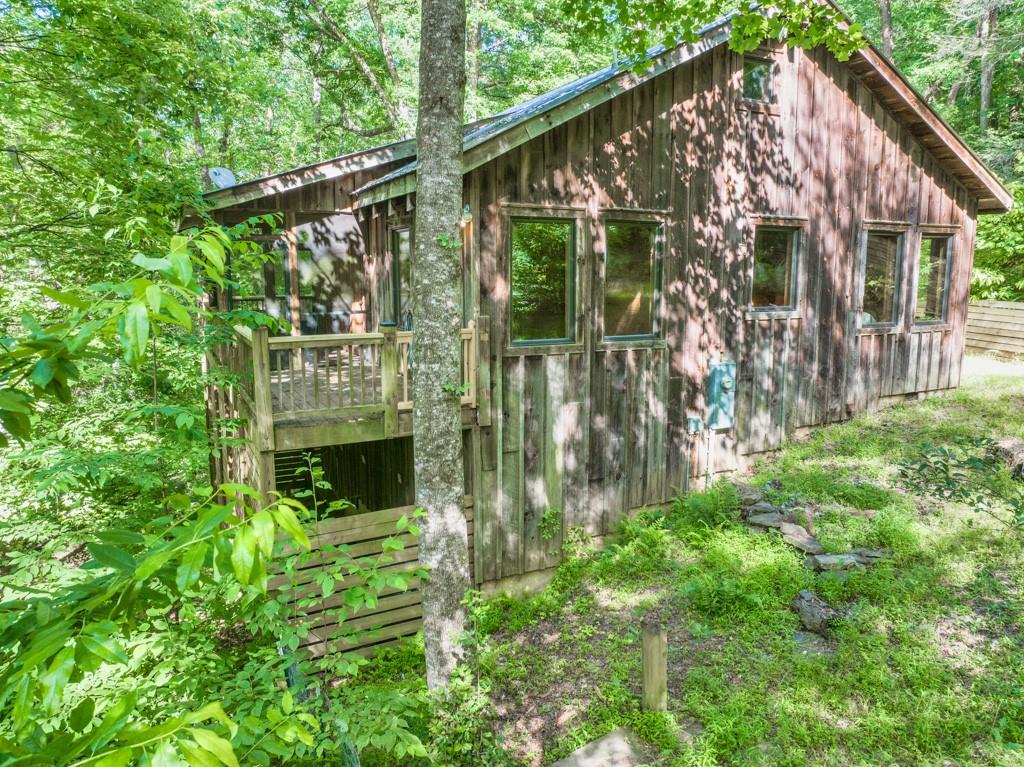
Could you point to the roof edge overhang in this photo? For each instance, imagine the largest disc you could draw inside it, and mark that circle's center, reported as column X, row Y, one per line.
column 296, row 178
column 485, row 145
column 991, row 194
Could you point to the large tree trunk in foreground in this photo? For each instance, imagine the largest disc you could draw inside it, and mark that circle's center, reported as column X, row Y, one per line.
column 437, row 421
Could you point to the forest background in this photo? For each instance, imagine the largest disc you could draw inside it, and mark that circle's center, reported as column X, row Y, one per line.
column 112, row 113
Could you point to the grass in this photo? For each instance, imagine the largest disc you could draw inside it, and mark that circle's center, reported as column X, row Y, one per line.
column 927, row 670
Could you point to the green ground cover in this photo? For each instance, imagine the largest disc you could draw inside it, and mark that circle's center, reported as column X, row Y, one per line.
column 927, row 670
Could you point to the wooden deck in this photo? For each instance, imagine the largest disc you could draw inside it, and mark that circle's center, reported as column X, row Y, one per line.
column 310, row 391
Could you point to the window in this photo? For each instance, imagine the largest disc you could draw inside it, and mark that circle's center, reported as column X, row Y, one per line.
column 932, row 275
column 757, row 80
column 541, row 276
column 881, row 273
column 401, row 250
column 396, row 289
column 631, row 279
column 774, row 271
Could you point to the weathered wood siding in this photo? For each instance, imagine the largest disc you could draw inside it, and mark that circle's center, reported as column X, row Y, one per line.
column 576, row 435
column 996, row 326
column 596, row 428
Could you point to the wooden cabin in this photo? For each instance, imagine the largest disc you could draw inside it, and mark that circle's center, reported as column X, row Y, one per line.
column 665, row 274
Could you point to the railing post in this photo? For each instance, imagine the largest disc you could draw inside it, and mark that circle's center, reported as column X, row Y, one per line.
column 389, row 378
column 483, row 371
column 654, row 644
column 262, row 404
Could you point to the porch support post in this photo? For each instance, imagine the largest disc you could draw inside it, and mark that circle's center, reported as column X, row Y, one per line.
column 389, row 378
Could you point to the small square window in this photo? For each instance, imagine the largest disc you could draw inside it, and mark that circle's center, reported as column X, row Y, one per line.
column 932, row 278
column 757, row 80
column 774, row 273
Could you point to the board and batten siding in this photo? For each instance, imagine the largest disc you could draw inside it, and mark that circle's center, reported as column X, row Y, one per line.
column 996, row 326
column 593, row 429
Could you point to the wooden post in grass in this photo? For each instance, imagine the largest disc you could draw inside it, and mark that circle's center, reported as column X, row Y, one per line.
column 654, row 644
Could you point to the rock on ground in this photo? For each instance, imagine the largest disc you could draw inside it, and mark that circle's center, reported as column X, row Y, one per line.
column 815, row 613
column 1011, row 452
column 798, row 537
column 619, row 748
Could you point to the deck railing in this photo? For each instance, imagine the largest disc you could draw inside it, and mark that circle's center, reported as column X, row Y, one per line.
column 354, row 375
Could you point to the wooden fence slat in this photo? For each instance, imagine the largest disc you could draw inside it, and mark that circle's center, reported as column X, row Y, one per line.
column 995, row 326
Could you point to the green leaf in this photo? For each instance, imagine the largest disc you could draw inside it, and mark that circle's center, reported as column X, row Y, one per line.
column 287, row 703
column 177, row 311
column 136, row 331
column 288, row 522
column 263, row 528
column 212, row 250
column 191, row 566
column 56, row 678
column 43, row 372
column 112, row 556
column 61, row 297
column 103, row 647
column 119, row 758
column 153, row 561
column 216, row 745
column 81, row 715
column 151, row 264
column 243, row 553
column 15, row 401
column 215, row 711
column 153, row 297
column 196, row 756
column 181, row 267
column 21, row 711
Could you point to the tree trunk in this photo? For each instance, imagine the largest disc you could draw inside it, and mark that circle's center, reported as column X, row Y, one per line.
column 885, row 12
column 200, row 149
column 988, row 65
column 473, row 63
column 437, row 291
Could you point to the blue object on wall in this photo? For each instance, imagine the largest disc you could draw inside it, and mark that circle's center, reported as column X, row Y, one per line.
column 721, row 398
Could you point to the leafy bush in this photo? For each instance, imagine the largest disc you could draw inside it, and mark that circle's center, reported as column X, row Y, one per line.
column 967, row 471
column 742, row 573
column 999, row 254
column 461, row 729
column 717, row 506
column 643, row 550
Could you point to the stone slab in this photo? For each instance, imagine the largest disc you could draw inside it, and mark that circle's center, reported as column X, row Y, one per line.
column 619, row 748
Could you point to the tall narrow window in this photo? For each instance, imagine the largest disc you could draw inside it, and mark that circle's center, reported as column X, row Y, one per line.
column 401, row 249
column 541, row 274
column 631, row 279
column 774, row 283
column 396, row 288
column 757, row 80
column 932, row 276
column 881, row 275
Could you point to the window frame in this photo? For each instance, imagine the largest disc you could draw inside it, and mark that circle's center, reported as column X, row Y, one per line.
column 900, row 232
column 795, row 308
column 766, row 58
column 950, row 238
column 393, row 278
column 631, row 216
column 512, row 213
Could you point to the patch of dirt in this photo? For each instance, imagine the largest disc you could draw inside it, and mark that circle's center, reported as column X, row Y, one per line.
column 568, row 658
column 959, row 639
